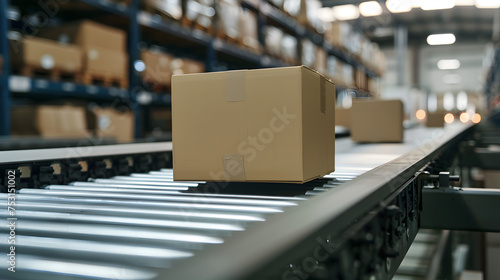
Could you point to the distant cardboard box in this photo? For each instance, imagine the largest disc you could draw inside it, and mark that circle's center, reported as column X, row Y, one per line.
column 49, row 121
column 108, row 122
column 343, row 117
column 267, row 125
column 435, row 119
column 377, row 121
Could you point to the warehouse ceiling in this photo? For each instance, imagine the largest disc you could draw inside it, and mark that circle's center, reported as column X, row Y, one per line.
column 468, row 23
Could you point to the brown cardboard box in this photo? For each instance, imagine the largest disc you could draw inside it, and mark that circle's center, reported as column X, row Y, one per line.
column 161, row 119
column 492, row 179
column 186, row 66
column 49, row 121
column 343, row 117
column 108, row 122
column 338, row 34
column 267, row 125
column 101, row 61
column 157, row 67
column 249, row 30
column 320, row 64
column 88, row 34
column 229, row 13
column 37, row 53
column 170, row 8
column 377, row 121
column 435, row 119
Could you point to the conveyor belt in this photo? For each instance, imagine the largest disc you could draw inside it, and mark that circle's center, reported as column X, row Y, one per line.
column 129, row 227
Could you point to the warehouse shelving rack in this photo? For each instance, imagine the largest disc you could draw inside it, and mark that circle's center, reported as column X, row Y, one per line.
column 136, row 96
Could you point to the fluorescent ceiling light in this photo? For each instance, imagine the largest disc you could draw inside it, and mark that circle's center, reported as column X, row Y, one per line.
column 488, row 4
column 448, row 101
column 429, row 5
column 398, row 6
column 370, row 9
column 346, row 12
column 451, row 79
column 441, row 39
column 448, row 64
column 326, row 14
column 465, row 2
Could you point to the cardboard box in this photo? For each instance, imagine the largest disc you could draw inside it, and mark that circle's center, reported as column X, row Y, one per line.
column 157, row 67
column 491, row 179
column 249, row 30
column 43, row 54
column 105, row 62
column 108, row 122
column 49, row 121
column 377, row 121
column 186, row 66
column 343, row 117
column 435, row 119
column 308, row 49
column 229, row 13
column 88, row 34
column 170, row 8
column 320, row 64
column 267, row 125
column 161, row 119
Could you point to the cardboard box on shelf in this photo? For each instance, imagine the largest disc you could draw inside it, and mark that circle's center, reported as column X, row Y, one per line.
column 101, row 61
column 377, row 121
column 157, row 67
column 435, row 119
column 228, row 14
column 88, row 34
column 288, row 49
column 170, row 8
column 49, row 121
column 199, row 12
column 161, row 119
column 320, row 64
column 308, row 56
column 249, row 31
column 491, row 179
column 360, row 80
column 343, row 117
column 334, row 70
column 274, row 37
column 31, row 54
column 109, row 122
column 338, row 34
column 267, row 125
column 186, row 66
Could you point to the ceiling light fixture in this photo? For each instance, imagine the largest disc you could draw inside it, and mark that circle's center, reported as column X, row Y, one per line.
column 398, row 6
column 429, row 5
column 346, row 12
column 448, row 64
column 488, row 4
column 441, row 39
column 370, row 9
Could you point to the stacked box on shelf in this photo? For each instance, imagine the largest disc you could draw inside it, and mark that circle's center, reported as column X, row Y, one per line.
column 338, row 34
column 293, row 7
column 168, row 9
column 378, row 60
column 104, row 47
column 30, row 55
column 157, row 73
column 281, row 45
column 49, row 121
column 308, row 50
column 348, row 75
column 199, row 14
column 228, row 20
column 360, row 80
column 334, row 70
column 308, row 14
column 249, row 31
column 107, row 122
column 320, row 63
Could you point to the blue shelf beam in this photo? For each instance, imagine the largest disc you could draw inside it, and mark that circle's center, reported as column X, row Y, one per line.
column 47, row 88
column 5, row 71
column 110, row 7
